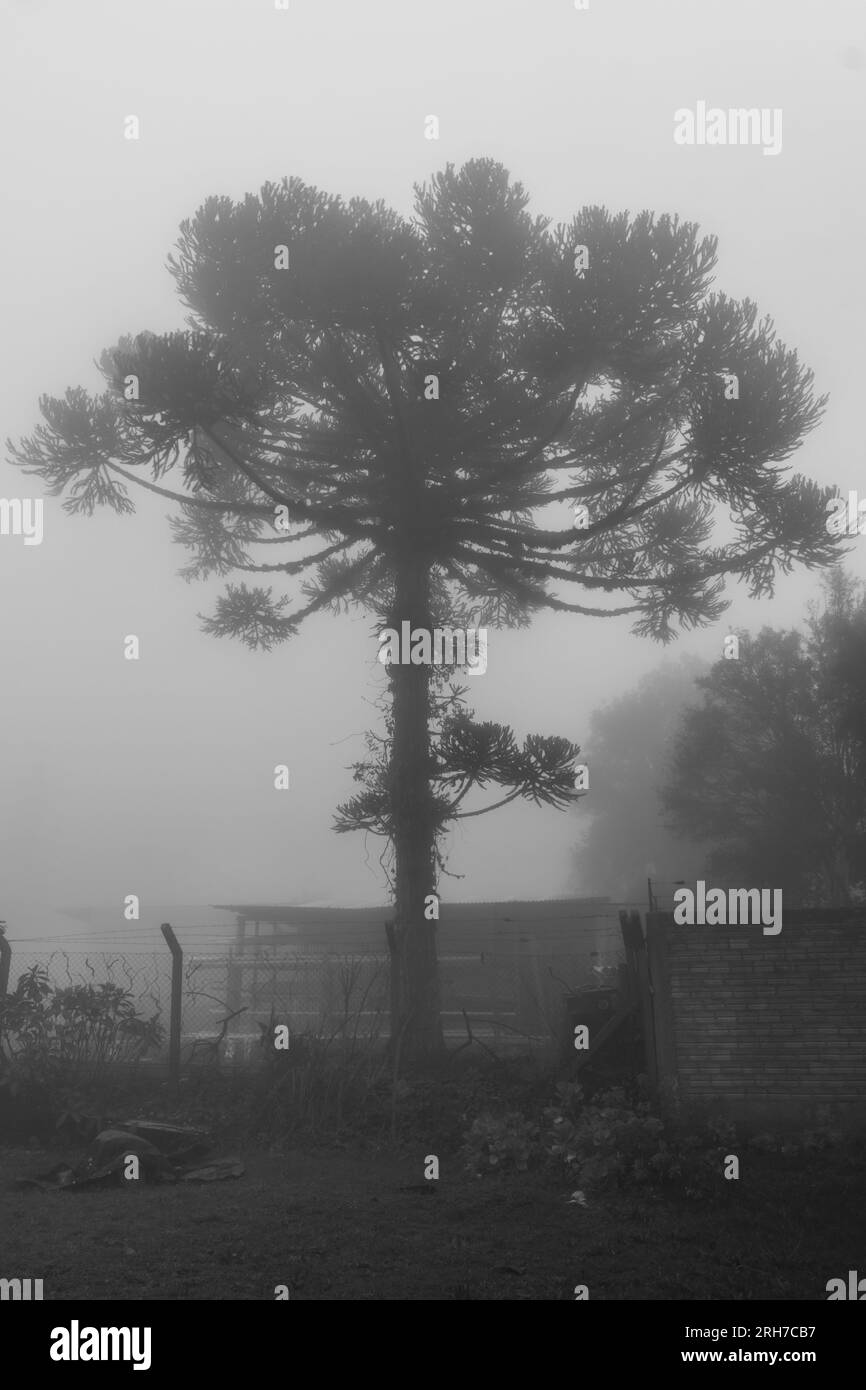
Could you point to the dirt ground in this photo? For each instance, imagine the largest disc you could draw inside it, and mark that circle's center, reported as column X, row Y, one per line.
column 339, row 1225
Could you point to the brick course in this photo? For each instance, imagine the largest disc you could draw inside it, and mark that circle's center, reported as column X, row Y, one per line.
column 739, row 1014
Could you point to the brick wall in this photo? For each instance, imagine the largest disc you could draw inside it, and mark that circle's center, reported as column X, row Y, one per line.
column 765, row 1024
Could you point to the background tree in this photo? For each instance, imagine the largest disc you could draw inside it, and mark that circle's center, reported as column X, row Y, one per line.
column 415, row 394
column 625, row 840
column 770, row 771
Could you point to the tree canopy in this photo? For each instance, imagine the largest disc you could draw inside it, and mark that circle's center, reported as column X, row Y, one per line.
column 294, row 403
column 770, row 770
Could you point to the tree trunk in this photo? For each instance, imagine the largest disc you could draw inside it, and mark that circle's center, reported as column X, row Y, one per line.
column 416, row 1028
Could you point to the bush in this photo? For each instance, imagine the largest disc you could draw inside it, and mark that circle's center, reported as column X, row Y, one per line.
column 611, row 1141
column 55, row 1039
column 607, row 1143
column 617, row 1141
column 501, row 1143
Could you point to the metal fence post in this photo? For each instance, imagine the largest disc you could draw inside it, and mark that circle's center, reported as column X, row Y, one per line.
column 5, row 960
column 641, row 988
column 176, row 1004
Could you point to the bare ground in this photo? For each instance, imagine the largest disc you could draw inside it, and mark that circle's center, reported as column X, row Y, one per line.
column 337, row 1224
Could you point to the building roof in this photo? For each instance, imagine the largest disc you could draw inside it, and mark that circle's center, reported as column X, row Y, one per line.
column 299, row 914
column 478, row 926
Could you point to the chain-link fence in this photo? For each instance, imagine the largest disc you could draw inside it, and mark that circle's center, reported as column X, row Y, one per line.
column 510, row 999
column 228, row 1009
column 144, row 975
column 507, row 999
column 95, row 1010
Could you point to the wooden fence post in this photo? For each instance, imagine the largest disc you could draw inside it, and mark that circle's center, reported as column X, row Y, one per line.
column 176, row 1001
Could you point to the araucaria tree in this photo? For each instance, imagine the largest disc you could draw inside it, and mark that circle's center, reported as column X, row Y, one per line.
column 423, row 396
column 464, row 755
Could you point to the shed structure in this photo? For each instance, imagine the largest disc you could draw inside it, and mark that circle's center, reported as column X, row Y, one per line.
column 505, row 967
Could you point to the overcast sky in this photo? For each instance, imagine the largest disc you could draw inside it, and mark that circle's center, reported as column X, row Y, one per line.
column 156, row 777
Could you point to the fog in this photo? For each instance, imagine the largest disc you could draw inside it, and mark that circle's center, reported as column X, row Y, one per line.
column 155, row 777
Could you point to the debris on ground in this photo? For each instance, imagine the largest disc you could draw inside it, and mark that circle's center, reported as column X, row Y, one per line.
column 163, row 1153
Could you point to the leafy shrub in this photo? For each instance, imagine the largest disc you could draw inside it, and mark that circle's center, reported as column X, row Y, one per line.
column 608, row 1142
column 615, row 1141
column 505, row 1142
column 611, row 1141
column 53, row 1038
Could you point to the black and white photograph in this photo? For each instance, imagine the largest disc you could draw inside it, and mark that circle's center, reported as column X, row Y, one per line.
column 433, row 667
